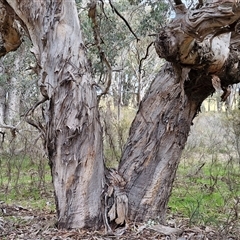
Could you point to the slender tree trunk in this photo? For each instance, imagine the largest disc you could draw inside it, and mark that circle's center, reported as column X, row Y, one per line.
column 2, row 104
column 13, row 99
column 13, row 102
column 2, row 98
column 73, row 131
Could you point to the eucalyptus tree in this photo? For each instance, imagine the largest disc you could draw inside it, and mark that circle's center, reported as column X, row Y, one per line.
column 202, row 51
column 73, row 132
column 201, row 46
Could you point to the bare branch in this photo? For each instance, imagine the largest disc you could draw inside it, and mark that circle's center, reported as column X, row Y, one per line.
column 37, row 125
column 109, row 78
column 13, row 128
column 31, row 110
column 92, row 13
column 116, row 11
column 145, row 57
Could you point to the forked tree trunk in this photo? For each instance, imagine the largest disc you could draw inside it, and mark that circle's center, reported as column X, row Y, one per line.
column 73, row 131
column 159, row 132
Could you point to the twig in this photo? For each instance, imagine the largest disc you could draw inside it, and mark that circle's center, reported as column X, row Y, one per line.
column 116, row 11
column 145, row 57
column 92, row 13
column 2, row 125
column 39, row 126
column 102, row 8
column 35, row 106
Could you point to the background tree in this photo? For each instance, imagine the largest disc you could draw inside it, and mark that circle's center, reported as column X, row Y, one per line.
column 123, row 54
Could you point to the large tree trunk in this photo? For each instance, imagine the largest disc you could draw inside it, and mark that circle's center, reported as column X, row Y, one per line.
column 162, row 124
column 73, row 132
column 157, row 138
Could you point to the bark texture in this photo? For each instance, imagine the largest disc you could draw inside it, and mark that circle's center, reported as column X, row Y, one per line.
column 73, row 133
column 153, row 150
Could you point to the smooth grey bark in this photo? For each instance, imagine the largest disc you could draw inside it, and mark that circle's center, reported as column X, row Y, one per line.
column 13, row 96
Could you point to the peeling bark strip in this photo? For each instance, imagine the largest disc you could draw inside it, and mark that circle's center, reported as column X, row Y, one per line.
column 74, row 137
column 115, row 202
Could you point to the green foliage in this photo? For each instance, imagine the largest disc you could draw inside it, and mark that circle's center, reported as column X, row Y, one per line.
column 116, row 128
column 207, row 197
column 156, row 15
column 232, row 121
column 26, row 181
column 207, row 187
column 120, row 46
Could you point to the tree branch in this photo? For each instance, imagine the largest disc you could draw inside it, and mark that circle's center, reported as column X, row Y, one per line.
column 92, row 13
column 145, row 57
column 37, row 125
column 31, row 110
column 116, row 11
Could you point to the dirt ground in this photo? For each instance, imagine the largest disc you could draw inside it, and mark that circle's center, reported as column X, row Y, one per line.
column 17, row 222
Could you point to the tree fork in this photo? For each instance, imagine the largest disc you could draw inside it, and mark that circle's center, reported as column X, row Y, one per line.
column 161, row 126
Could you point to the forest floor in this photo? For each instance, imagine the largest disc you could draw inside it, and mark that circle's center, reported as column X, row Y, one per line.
column 17, row 222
